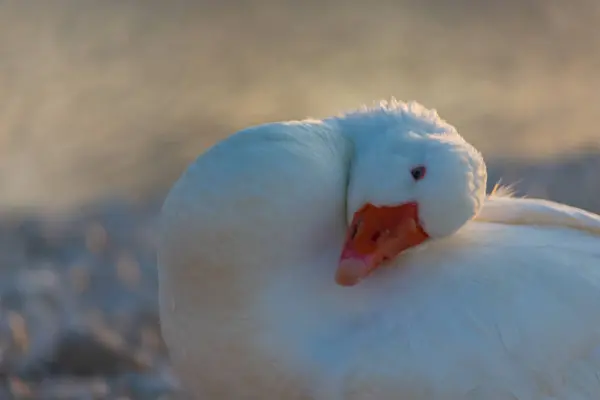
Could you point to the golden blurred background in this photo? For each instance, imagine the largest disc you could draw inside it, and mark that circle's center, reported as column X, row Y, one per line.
column 104, row 102
column 104, row 97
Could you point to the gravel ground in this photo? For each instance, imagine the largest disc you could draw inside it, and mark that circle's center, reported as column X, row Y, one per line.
column 78, row 307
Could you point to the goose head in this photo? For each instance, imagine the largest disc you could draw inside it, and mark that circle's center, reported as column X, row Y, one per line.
column 274, row 208
column 389, row 178
column 415, row 181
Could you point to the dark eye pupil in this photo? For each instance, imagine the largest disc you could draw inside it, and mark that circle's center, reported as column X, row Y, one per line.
column 418, row 173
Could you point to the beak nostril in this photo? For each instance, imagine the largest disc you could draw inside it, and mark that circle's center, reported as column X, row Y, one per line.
column 355, row 230
column 376, row 236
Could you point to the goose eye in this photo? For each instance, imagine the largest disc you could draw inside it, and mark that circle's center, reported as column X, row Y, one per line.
column 418, row 173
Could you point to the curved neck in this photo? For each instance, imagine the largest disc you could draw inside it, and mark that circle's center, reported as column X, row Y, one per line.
column 250, row 210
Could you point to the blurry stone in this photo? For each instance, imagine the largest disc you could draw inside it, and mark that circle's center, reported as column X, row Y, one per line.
column 128, row 270
column 144, row 386
column 149, row 338
column 19, row 331
column 110, row 338
column 35, row 245
column 38, row 281
column 143, row 358
column 79, row 278
column 96, row 238
column 18, row 388
column 72, row 388
column 82, row 353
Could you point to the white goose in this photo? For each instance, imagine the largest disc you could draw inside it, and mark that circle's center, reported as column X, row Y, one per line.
column 500, row 301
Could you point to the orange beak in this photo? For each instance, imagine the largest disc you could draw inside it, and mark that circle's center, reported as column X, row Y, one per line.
column 376, row 235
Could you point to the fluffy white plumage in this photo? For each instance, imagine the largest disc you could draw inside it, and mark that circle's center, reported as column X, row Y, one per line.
column 500, row 304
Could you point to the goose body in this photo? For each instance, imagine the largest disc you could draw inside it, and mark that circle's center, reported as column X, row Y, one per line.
column 499, row 302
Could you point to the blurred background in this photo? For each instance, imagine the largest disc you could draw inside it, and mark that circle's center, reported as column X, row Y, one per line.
column 104, row 102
